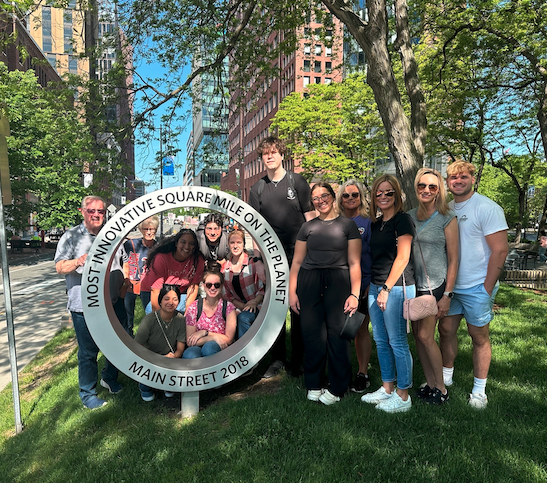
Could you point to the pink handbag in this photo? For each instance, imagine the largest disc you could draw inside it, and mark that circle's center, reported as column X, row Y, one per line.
column 423, row 306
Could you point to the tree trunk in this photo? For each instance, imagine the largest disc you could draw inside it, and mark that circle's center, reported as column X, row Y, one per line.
column 373, row 39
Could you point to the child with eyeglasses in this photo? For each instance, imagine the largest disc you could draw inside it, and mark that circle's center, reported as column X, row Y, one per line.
column 211, row 321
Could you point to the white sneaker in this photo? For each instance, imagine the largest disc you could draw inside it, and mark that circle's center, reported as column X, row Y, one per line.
column 395, row 404
column 314, row 394
column 448, row 382
column 328, row 398
column 169, row 394
column 377, row 396
column 478, row 401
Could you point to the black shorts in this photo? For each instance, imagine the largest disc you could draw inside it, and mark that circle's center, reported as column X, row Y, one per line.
column 363, row 301
column 437, row 293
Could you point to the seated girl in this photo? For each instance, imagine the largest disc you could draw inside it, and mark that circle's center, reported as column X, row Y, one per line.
column 211, row 321
column 163, row 331
column 242, row 285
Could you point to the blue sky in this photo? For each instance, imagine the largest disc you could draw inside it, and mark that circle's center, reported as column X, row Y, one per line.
column 145, row 155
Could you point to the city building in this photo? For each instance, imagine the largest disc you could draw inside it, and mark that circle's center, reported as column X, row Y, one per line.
column 317, row 60
column 88, row 42
column 14, row 26
column 207, row 146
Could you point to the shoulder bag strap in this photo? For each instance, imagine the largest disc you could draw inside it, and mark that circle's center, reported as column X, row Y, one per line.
column 135, row 252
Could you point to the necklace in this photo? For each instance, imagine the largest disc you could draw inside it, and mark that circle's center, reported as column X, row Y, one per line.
column 159, row 317
column 275, row 183
column 384, row 223
column 462, row 205
column 328, row 222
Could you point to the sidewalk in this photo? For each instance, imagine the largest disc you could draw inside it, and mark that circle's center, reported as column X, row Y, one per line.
column 29, row 257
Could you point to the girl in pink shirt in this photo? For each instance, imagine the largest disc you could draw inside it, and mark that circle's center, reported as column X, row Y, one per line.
column 211, row 332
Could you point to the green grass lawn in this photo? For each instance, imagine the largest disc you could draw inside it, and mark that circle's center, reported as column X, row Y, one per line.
column 266, row 431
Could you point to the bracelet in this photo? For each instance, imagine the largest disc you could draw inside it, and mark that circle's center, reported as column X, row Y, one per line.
column 354, row 296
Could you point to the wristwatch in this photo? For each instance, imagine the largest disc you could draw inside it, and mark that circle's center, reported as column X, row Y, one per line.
column 449, row 294
column 386, row 288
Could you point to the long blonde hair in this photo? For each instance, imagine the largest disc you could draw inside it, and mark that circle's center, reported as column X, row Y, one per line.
column 440, row 200
column 363, row 208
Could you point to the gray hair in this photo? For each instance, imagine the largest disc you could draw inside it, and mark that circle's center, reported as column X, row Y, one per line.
column 90, row 199
column 153, row 220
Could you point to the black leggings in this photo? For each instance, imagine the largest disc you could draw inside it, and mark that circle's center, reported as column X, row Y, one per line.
column 322, row 294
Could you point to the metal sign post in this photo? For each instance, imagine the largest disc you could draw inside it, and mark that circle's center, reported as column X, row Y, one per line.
column 4, row 170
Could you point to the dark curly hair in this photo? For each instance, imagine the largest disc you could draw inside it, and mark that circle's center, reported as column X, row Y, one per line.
column 169, row 245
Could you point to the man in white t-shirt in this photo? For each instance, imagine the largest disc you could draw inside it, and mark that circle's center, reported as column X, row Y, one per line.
column 483, row 248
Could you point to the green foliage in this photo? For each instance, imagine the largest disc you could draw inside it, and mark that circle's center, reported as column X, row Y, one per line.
column 46, row 150
column 333, row 130
column 49, row 149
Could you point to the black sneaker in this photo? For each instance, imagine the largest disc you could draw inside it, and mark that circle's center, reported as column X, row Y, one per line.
column 361, row 382
column 436, row 397
column 423, row 392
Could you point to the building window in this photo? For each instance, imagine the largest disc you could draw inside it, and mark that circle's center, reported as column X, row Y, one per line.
column 307, row 49
column 318, row 80
column 328, row 51
column 307, row 32
column 318, row 49
column 72, row 64
column 317, row 66
column 328, row 67
column 306, row 66
column 306, row 81
column 328, row 80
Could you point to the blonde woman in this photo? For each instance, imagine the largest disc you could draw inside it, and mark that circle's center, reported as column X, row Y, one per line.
column 435, row 255
column 352, row 203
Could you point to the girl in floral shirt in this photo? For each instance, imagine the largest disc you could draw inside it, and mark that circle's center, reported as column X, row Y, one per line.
column 211, row 333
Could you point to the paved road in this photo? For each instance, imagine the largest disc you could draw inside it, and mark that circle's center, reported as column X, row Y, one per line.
column 39, row 302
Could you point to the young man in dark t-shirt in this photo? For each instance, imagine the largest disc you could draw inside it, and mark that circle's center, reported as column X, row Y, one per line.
column 284, row 200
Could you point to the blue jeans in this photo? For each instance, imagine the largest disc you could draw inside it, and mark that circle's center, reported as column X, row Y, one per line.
column 145, row 390
column 181, row 306
column 244, row 320
column 87, row 360
column 389, row 331
column 207, row 349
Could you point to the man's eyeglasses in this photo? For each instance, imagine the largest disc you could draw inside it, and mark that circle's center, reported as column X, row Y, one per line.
column 149, row 229
column 92, row 211
column 346, row 196
column 388, row 193
column 432, row 187
column 209, row 284
column 323, row 197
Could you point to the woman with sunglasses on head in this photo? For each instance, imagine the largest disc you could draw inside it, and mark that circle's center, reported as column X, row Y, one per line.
column 352, row 203
column 210, row 322
column 324, row 285
column 242, row 285
column 435, row 255
column 163, row 332
column 175, row 261
column 134, row 259
column 390, row 246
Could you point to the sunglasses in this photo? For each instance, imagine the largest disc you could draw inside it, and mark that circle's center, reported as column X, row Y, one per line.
column 346, row 196
column 388, row 193
column 323, row 197
column 149, row 229
column 91, row 211
column 432, row 187
column 209, row 284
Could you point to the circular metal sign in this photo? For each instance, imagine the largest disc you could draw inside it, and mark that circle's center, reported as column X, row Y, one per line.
column 182, row 375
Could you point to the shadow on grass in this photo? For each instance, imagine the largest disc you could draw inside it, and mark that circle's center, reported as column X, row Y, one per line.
column 266, row 431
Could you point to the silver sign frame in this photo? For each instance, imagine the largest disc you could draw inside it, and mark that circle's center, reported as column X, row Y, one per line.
column 183, row 375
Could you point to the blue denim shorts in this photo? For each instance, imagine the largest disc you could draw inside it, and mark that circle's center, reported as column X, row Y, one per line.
column 475, row 304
